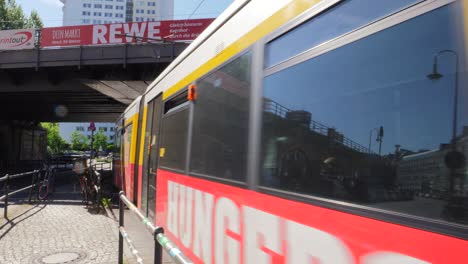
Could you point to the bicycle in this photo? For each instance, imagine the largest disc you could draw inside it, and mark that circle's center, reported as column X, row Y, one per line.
column 47, row 185
column 90, row 187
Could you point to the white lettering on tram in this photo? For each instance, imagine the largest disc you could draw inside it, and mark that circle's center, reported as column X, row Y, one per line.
column 389, row 258
column 261, row 235
column 305, row 243
column 202, row 225
column 172, row 208
column 227, row 249
column 219, row 231
column 185, row 221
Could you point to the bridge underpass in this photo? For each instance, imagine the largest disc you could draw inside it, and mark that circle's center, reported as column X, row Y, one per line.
column 79, row 84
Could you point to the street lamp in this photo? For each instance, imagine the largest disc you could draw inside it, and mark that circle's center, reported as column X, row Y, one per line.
column 435, row 75
column 370, row 137
column 453, row 159
column 378, row 139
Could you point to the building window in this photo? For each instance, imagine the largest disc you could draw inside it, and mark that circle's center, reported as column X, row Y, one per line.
column 97, row 13
column 119, row 7
column 86, row 21
column 79, row 128
column 86, row 5
column 103, row 129
column 108, row 14
column 119, row 15
column 151, row 3
column 109, row 7
column 86, row 13
column 97, row 5
column 219, row 145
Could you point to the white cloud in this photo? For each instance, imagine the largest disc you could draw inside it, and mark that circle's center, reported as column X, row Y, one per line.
column 52, row 2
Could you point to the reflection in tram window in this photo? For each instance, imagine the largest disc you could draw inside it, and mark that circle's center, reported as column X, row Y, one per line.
column 343, row 18
column 174, row 139
column 369, row 123
column 219, row 144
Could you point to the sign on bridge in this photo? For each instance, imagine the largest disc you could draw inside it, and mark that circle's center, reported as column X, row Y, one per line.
column 120, row 33
column 17, row 39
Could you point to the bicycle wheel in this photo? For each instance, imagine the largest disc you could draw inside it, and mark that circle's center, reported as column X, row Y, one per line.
column 43, row 191
column 84, row 192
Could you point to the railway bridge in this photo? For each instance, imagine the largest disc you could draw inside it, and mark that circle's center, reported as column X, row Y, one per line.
column 82, row 83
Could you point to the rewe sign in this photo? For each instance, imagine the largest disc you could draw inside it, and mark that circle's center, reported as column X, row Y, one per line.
column 120, row 33
column 17, row 39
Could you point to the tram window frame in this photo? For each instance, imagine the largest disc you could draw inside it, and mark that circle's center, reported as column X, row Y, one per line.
column 174, row 105
column 233, row 182
column 321, row 12
column 429, row 224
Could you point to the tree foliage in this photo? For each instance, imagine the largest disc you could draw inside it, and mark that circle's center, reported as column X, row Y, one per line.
column 13, row 17
column 55, row 143
column 79, row 141
column 100, row 141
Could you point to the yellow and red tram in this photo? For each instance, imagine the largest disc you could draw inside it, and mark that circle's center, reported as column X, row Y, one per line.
column 308, row 131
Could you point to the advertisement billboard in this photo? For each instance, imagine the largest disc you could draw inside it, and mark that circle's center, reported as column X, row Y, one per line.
column 17, row 39
column 121, row 33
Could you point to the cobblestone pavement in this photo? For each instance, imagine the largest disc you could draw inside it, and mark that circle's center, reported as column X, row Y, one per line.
column 61, row 226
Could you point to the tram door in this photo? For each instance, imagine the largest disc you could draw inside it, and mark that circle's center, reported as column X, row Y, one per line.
column 151, row 156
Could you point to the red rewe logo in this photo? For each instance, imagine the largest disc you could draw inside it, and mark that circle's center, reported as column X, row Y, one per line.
column 18, row 39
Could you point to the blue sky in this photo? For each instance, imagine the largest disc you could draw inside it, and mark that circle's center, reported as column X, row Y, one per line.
column 51, row 10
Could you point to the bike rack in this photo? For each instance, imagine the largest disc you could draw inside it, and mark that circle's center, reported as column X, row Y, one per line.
column 6, row 187
column 160, row 240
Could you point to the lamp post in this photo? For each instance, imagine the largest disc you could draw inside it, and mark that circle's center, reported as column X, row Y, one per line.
column 378, row 139
column 453, row 159
column 435, row 75
column 370, row 137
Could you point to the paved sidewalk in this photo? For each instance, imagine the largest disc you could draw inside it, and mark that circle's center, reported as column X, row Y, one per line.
column 62, row 230
column 57, row 230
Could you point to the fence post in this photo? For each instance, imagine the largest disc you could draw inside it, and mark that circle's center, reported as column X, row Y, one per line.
column 121, row 224
column 157, row 246
column 32, row 185
column 6, row 188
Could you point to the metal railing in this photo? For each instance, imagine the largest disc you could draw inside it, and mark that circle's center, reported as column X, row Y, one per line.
column 161, row 241
column 6, row 187
column 281, row 111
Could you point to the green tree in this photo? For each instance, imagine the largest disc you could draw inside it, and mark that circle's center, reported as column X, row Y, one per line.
column 100, row 141
column 79, row 141
column 55, row 143
column 13, row 17
column 34, row 20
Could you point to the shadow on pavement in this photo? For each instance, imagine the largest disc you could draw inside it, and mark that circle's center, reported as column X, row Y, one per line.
column 12, row 222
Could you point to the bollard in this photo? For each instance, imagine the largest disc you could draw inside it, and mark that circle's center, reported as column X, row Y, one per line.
column 121, row 224
column 6, row 188
column 157, row 246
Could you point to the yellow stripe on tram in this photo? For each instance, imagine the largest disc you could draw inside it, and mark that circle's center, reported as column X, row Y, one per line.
column 142, row 135
column 293, row 9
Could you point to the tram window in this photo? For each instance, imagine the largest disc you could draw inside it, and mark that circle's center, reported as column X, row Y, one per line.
column 221, row 111
column 364, row 123
column 341, row 19
column 174, row 139
column 127, row 145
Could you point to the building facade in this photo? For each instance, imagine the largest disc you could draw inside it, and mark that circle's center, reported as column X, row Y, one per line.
column 152, row 10
column 66, row 129
column 83, row 12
